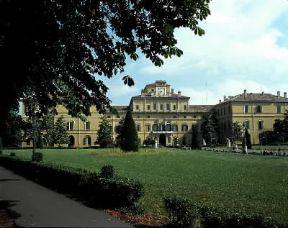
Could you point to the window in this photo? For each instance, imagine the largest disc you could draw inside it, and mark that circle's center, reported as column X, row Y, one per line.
column 70, row 125
column 185, row 107
column 278, row 108
column 137, row 107
column 258, row 109
column 148, row 107
column 154, row 106
column 184, row 127
column 148, row 117
column 168, row 107
column 161, row 106
column 148, row 128
column 155, row 127
column 260, row 124
column 246, row 124
column 174, row 107
column 168, row 127
column 246, row 108
column 138, row 127
column 174, row 127
column 87, row 126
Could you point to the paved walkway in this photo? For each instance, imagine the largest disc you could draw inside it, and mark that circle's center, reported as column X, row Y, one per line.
column 38, row 206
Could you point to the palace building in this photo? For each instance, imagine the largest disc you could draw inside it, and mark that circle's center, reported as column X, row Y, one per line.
column 164, row 115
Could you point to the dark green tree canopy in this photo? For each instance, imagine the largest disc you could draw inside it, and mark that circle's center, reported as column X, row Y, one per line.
column 128, row 134
column 60, row 49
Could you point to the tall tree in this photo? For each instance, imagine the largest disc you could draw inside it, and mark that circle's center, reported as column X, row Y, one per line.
column 60, row 132
column 104, row 133
column 61, row 49
column 237, row 131
column 196, row 138
column 210, row 127
column 129, row 136
column 247, row 140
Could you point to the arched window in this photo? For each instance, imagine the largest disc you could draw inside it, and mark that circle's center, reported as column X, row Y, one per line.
column 184, row 127
column 168, row 127
column 87, row 140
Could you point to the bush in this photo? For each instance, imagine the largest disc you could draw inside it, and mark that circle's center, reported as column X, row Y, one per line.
column 107, row 171
column 183, row 213
column 88, row 187
column 37, row 157
column 12, row 154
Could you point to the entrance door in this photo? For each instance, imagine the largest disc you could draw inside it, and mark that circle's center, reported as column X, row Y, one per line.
column 71, row 141
column 162, row 140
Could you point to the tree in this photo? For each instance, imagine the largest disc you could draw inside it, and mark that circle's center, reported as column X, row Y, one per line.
column 247, row 140
column 196, row 138
column 128, row 134
column 210, row 127
column 104, row 138
column 237, row 131
column 61, row 49
column 60, row 135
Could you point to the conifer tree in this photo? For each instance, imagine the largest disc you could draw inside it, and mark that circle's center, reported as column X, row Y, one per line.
column 60, row 135
column 196, row 138
column 128, row 134
column 104, row 133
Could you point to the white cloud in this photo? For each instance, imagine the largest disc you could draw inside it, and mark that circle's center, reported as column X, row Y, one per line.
column 240, row 50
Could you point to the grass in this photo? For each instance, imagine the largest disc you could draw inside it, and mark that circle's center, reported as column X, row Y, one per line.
column 236, row 182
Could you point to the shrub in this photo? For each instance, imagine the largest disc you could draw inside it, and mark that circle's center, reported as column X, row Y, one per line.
column 37, row 157
column 12, row 154
column 86, row 186
column 107, row 171
column 182, row 213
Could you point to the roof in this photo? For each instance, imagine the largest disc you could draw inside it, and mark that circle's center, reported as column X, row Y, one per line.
column 200, row 108
column 256, row 97
column 165, row 97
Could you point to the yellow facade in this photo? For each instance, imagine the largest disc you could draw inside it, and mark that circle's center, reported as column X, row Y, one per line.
column 165, row 116
column 256, row 111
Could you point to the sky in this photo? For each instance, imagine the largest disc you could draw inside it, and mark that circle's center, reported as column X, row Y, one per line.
column 245, row 46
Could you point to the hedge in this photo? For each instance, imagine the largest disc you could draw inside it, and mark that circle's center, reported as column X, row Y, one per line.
column 184, row 213
column 91, row 188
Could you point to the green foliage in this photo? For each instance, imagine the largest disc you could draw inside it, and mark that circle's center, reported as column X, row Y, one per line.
column 247, row 140
column 37, row 157
column 39, row 142
column 89, row 187
column 181, row 212
column 236, row 131
column 184, row 213
column 107, row 171
column 60, row 135
column 210, row 127
column 104, row 133
column 128, row 134
column 196, row 138
column 62, row 45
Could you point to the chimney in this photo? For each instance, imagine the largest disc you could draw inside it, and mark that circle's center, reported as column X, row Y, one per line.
column 179, row 93
column 285, row 94
column 219, row 101
column 172, row 91
column 245, row 93
column 225, row 98
column 278, row 94
column 262, row 93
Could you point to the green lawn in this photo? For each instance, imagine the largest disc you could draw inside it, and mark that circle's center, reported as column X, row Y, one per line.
column 238, row 182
